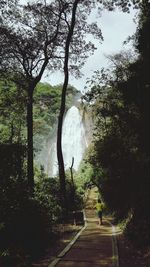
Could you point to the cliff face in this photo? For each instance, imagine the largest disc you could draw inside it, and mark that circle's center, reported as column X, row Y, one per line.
column 87, row 119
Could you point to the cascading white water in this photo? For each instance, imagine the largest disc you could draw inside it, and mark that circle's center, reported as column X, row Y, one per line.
column 73, row 138
column 73, row 141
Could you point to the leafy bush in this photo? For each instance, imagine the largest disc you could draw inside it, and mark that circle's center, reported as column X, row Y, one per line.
column 25, row 223
column 47, row 192
column 138, row 231
column 75, row 201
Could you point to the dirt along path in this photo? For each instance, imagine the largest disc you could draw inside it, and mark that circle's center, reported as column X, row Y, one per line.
column 95, row 245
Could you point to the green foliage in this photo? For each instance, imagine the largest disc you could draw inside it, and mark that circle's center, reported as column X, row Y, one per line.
column 47, row 103
column 26, row 223
column 47, row 192
column 12, row 162
column 74, row 196
column 83, row 176
column 12, row 112
column 138, row 231
column 121, row 152
column 45, row 111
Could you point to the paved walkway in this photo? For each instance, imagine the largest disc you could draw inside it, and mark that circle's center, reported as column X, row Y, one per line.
column 96, row 245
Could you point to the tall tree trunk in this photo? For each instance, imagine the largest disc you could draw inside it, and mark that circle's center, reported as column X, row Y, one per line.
column 59, row 145
column 11, row 133
column 19, row 133
column 71, row 171
column 62, row 108
column 31, row 86
column 72, row 182
column 30, row 138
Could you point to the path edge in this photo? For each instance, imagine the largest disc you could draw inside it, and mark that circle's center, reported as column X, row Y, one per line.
column 115, row 259
column 68, row 247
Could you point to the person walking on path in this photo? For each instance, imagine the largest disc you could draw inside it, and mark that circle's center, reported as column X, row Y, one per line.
column 91, row 246
column 99, row 210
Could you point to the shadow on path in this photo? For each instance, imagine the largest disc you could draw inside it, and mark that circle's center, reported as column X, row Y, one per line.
column 93, row 248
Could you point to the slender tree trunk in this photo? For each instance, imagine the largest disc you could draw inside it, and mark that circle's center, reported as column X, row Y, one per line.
column 62, row 108
column 72, row 181
column 11, row 133
column 59, row 146
column 31, row 86
column 71, row 171
column 30, row 138
column 19, row 133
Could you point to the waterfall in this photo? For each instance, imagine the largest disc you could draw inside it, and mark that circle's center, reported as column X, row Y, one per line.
column 73, row 141
column 73, row 138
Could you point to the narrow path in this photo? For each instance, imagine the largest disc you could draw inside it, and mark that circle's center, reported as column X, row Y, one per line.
column 96, row 246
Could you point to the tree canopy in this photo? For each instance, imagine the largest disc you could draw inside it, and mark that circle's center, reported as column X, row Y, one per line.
column 41, row 37
column 120, row 154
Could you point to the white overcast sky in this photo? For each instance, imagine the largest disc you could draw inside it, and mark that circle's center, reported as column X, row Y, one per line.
column 116, row 27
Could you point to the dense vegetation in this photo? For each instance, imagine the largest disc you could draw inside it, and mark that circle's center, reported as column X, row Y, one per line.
column 26, row 222
column 46, row 109
column 35, row 37
column 120, row 155
column 119, row 160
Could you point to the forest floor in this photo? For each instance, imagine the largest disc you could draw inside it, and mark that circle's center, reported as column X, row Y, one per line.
column 129, row 256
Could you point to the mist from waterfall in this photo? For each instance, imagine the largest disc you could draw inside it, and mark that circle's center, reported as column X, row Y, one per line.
column 73, row 141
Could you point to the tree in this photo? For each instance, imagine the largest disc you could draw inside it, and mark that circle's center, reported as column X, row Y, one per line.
column 28, row 46
column 62, row 107
column 75, row 45
column 123, row 150
column 33, row 45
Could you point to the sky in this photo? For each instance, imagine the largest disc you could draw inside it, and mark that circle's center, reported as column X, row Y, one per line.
column 116, row 27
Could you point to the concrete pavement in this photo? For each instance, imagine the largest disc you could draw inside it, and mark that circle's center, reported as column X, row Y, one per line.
column 95, row 246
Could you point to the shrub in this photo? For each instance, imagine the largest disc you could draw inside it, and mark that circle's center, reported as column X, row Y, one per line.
column 25, row 223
